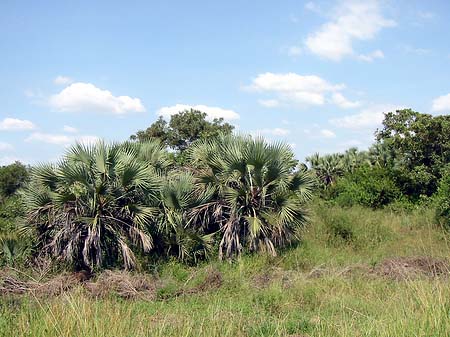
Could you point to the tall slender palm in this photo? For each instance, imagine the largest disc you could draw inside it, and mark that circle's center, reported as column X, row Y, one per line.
column 97, row 203
column 260, row 200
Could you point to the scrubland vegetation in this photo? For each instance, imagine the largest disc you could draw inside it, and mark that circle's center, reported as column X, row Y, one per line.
column 228, row 235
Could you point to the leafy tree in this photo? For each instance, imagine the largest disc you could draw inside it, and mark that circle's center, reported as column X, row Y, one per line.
column 12, row 177
column 183, row 129
column 158, row 129
column 421, row 147
column 97, row 203
column 260, row 199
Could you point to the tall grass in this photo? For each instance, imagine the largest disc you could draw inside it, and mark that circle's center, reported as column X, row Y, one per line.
column 314, row 289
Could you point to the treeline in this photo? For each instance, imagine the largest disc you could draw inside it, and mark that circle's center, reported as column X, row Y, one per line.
column 407, row 166
column 190, row 189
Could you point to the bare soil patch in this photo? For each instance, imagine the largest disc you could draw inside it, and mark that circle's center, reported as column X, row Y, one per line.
column 123, row 284
column 127, row 285
column 14, row 284
column 400, row 268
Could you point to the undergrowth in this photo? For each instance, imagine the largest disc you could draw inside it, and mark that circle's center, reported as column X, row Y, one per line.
column 331, row 284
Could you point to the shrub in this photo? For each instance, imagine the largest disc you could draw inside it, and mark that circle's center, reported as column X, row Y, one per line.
column 442, row 200
column 13, row 248
column 367, row 186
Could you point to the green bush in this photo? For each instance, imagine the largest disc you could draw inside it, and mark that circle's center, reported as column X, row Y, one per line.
column 442, row 200
column 13, row 249
column 367, row 186
column 12, row 177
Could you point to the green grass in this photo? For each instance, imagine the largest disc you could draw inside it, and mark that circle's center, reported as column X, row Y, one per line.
column 306, row 291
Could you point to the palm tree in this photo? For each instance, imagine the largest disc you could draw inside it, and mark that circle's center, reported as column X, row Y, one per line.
column 382, row 155
column 182, row 230
column 327, row 168
column 260, row 199
column 353, row 159
column 97, row 203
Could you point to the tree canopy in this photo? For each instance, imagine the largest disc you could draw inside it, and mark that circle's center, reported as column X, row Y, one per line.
column 421, row 146
column 12, row 177
column 183, row 129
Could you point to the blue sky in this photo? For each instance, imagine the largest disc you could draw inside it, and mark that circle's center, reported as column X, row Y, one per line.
column 316, row 74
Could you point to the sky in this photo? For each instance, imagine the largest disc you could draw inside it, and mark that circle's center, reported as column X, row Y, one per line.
column 317, row 75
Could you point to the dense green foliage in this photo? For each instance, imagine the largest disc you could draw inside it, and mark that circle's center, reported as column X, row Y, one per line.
column 12, row 177
column 260, row 197
column 404, row 166
column 105, row 206
column 120, row 204
column 442, row 200
column 421, row 144
column 369, row 186
column 95, row 203
column 183, row 129
column 13, row 249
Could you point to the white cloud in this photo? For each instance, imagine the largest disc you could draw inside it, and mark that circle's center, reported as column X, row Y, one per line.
column 60, row 139
column 269, row 103
column 376, row 54
column 367, row 118
column 426, row 15
column 313, row 7
column 413, row 50
column 49, row 138
column 343, row 102
column 273, row 132
column 62, row 80
column 302, row 90
column 70, row 129
column 352, row 20
column 5, row 146
column 294, row 51
column 14, row 124
column 88, row 140
column 327, row 133
column 292, row 82
column 441, row 103
column 86, row 97
column 211, row 112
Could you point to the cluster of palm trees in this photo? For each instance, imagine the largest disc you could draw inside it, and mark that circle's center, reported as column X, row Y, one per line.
column 328, row 168
column 106, row 205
